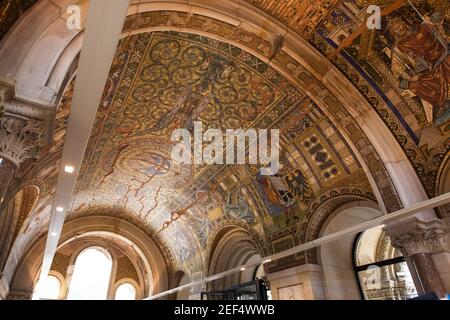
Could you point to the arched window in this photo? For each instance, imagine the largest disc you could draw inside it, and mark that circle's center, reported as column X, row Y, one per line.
column 381, row 269
column 50, row 289
column 125, row 291
column 91, row 275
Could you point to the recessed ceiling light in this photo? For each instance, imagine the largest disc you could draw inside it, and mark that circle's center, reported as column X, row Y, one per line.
column 69, row 169
column 242, row 269
column 60, row 209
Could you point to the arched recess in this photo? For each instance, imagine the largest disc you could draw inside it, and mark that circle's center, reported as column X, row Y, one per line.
column 231, row 247
column 129, row 264
column 54, row 276
column 179, row 279
column 129, row 290
column 13, row 220
column 91, row 277
column 336, row 258
column 324, row 211
column 85, row 227
column 387, row 166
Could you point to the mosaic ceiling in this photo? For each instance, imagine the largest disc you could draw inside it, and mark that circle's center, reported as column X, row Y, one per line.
column 127, row 169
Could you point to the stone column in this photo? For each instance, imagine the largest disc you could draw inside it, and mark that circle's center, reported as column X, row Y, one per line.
column 19, row 140
column 418, row 241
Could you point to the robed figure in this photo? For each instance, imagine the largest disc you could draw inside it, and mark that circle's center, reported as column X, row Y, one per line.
column 429, row 79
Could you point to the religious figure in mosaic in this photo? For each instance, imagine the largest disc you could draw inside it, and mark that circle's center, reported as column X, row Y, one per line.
column 236, row 207
column 428, row 75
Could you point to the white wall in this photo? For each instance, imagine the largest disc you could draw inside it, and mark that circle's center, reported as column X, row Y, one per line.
column 339, row 279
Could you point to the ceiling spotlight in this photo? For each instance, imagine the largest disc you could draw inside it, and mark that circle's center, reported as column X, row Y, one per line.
column 242, row 269
column 69, row 169
column 60, row 209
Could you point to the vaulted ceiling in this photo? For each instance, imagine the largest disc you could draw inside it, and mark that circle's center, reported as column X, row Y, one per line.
column 128, row 171
column 244, row 81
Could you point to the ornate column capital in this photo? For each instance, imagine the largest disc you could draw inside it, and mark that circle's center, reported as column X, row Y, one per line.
column 24, row 118
column 419, row 236
column 20, row 138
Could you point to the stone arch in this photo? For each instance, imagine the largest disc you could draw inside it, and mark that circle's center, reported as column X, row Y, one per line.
column 132, row 282
column 320, row 212
column 124, row 263
column 136, row 239
column 178, row 279
column 62, row 281
column 231, row 247
column 336, row 258
column 105, row 252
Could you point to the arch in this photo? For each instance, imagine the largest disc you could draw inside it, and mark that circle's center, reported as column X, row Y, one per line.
column 249, row 274
column 336, row 258
column 92, row 275
column 232, row 246
column 61, row 278
column 324, row 210
column 136, row 239
column 130, row 292
column 251, row 23
column 179, row 279
column 51, row 290
column 129, row 264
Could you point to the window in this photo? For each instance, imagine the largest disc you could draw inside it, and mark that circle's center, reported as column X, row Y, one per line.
column 91, row 275
column 125, row 291
column 49, row 290
column 381, row 270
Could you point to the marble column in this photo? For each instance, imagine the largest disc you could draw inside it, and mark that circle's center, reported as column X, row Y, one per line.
column 19, row 140
column 418, row 241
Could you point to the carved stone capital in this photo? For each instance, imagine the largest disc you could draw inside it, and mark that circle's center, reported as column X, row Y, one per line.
column 20, row 138
column 16, row 107
column 419, row 236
